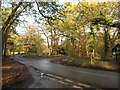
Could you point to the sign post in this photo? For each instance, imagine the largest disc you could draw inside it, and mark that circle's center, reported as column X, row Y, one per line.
column 116, row 52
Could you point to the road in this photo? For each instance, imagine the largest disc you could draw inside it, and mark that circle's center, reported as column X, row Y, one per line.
column 102, row 79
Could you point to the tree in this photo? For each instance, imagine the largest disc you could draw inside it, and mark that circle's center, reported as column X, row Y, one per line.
column 13, row 16
column 49, row 11
column 66, row 26
column 33, row 40
column 106, row 23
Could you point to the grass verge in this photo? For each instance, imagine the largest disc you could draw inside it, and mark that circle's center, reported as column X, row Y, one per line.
column 86, row 63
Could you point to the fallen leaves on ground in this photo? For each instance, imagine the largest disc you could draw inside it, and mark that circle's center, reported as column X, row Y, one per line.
column 12, row 72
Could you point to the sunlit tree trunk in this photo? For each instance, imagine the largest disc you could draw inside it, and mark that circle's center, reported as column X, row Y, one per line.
column 6, row 27
column 91, row 46
column 0, row 33
column 106, row 43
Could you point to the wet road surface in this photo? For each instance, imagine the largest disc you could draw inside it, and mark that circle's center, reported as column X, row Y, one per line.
column 53, row 81
column 90, row 77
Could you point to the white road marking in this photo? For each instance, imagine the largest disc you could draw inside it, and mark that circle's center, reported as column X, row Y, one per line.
column 83, row 84
column 62, row 82
column 74, row 86
column 58, row 80
column 52, row 78
column 58, row 77
column 68, row 80
column 50, row 75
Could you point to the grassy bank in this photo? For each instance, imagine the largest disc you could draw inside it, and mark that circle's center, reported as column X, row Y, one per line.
column 86, row 63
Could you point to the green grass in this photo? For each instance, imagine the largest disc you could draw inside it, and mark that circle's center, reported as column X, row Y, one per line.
column 77, row 61
column 85, row 62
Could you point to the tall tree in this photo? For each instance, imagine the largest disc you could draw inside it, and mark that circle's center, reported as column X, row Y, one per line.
column 15, row 13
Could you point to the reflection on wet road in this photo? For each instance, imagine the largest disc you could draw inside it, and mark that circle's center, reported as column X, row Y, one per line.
column 42, row 80
column 93, row 77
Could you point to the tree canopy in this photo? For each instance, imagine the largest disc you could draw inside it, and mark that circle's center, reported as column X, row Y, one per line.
column 75, row 29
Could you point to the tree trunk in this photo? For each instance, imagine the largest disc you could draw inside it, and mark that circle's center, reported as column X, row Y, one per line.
column 5, row 29
column 105, row 43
